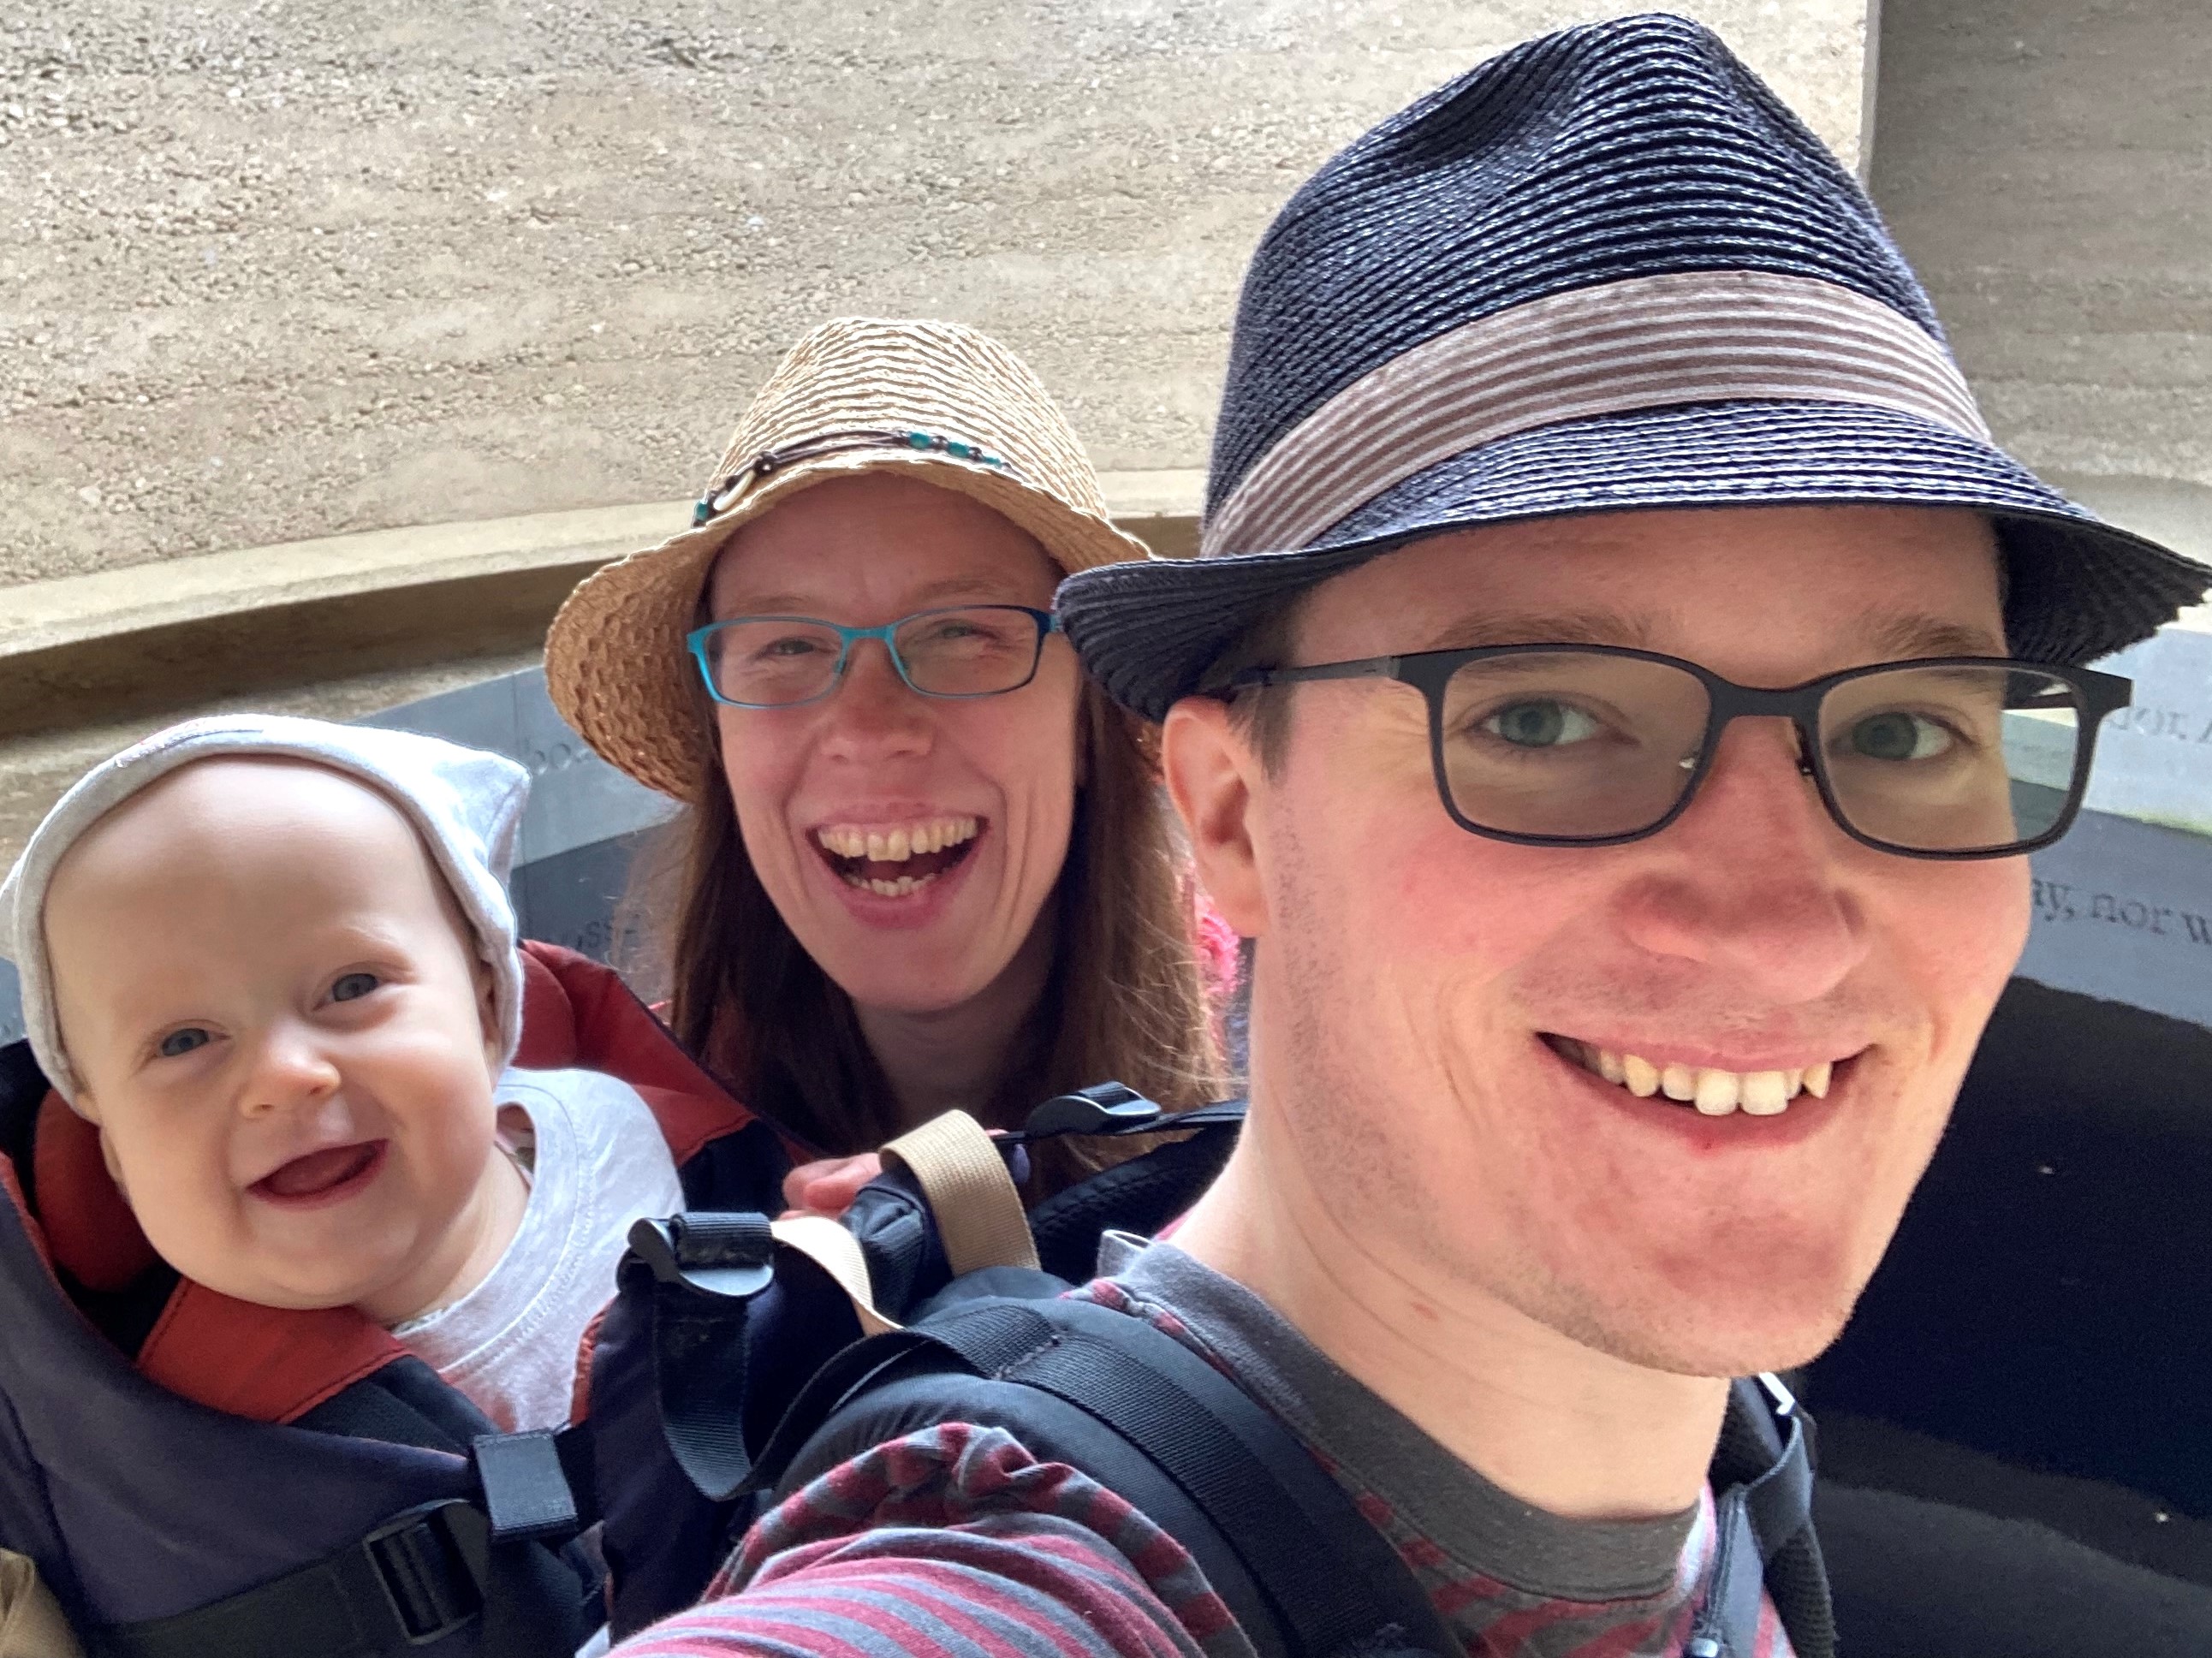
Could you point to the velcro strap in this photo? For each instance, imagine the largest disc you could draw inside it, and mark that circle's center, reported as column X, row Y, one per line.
column 979, row 1212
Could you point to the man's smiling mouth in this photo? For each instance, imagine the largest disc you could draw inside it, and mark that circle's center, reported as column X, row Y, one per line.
column 894, row 861
column 1710, row 1092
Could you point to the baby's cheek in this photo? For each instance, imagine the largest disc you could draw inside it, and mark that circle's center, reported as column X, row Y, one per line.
column 109, row 1155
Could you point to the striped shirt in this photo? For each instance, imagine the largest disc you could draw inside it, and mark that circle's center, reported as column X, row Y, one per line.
column 957, row 1543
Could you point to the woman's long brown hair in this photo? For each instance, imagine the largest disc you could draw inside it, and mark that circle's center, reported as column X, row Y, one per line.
column 1125, row 999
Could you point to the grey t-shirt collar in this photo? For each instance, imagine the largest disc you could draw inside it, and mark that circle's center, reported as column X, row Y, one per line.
column 1482, row 1528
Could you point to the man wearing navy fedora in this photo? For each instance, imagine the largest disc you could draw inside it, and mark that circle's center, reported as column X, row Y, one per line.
column 1618, row 685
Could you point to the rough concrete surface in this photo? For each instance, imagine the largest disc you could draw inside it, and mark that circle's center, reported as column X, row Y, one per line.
column 2048, row 166
column 35, row 769
column 289, row 268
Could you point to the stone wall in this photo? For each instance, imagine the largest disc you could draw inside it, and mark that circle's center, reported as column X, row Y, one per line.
column 2047, row 164
column 290, row 268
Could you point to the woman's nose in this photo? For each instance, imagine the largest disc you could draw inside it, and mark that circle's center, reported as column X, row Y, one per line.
column 874, row 713
column 291, row 1072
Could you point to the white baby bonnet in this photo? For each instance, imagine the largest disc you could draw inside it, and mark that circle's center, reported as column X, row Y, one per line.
column 466, row 803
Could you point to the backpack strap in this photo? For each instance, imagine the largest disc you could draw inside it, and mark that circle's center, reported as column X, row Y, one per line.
column 1255, row 1493
column 1763, row 1510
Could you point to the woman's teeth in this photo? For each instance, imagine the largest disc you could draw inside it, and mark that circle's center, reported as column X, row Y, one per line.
column 896, row 846
column 1713, row 1093
column 865, row 851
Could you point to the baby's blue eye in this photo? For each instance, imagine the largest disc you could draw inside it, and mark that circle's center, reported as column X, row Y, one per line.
column 352, row 986
column 180, row 1042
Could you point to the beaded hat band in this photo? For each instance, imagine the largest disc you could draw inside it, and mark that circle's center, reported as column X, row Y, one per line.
column 945, row 403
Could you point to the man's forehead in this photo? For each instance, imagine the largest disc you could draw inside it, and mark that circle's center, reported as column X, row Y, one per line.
column 1898, row 635
column 1879, row 583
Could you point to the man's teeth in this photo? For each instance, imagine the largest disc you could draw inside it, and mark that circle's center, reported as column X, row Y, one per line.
column 895, row 846
column 1713, row 1093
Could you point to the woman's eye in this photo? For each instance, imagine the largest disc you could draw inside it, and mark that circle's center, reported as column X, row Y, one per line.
column 1542, row 725
column 352, row 986
column 792, row 646
column 177, row 1043
column 1900, row 737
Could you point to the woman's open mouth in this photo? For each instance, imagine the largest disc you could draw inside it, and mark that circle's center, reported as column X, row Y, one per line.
column 897, row 860
column 1710, row 1092
column 322, row 1177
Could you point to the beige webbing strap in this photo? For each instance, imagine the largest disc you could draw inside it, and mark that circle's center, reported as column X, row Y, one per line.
column 837, row 1253
column 31, row 1622
column 979, row 1213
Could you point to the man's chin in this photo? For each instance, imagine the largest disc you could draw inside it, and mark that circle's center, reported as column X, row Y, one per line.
column 1726, row 1330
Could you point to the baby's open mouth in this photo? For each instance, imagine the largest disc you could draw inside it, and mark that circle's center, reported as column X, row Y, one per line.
column 321, row 1175
column 1712, row 1093
column 894, row 861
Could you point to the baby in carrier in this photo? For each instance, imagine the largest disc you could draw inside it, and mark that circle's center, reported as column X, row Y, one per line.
column 274, row 962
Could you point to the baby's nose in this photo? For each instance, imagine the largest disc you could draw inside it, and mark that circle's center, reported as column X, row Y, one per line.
column 287, row 1072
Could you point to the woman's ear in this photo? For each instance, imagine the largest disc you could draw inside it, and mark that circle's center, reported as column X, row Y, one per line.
column 1210, row 769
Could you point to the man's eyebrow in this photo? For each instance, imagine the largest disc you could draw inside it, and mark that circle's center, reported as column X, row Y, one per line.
column 1903, row 638
column 1478, row 628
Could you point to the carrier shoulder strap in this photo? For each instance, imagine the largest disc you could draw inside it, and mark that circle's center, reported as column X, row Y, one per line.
column 451, row 1576
column 1252, row 1484
column 1762, row 1477
column 1279, row 1514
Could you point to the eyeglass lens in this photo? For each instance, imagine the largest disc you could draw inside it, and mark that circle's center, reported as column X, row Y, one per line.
column 773, row 661
column 1587, row 745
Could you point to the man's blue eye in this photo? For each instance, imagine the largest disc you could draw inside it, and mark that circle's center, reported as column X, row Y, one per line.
column 177, row 1043
column 352, row 986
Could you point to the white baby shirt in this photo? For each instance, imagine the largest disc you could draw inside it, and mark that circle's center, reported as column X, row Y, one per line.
column 601, row 1164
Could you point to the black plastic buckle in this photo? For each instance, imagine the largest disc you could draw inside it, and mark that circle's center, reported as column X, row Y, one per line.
column 1101, row 1109
column 425, row 1572
column 732, row 1255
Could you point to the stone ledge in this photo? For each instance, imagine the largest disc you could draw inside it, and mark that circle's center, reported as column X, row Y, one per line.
column 125, row 643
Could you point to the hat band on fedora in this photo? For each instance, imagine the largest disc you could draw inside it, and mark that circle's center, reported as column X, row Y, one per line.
column 1642, row 343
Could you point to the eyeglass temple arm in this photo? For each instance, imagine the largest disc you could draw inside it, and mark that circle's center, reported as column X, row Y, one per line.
column 1373, row 667
column 2108, row 693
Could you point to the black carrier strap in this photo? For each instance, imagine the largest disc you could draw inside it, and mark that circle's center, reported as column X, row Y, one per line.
column 1763, row 1511
column 1327, row 1583
column 453, row 1578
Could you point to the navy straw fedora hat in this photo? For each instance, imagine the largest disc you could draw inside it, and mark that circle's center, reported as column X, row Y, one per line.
column 1608, row 269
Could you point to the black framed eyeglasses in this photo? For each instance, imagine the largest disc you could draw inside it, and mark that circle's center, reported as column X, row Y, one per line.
column 781, row 661
column 1594, row 745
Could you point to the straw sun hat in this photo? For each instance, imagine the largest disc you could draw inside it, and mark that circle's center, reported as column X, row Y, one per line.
column 943, row 403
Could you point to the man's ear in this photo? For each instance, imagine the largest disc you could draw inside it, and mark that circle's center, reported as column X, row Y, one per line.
column 1210, row 773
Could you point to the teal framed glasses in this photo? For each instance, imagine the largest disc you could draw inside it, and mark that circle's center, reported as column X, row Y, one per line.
column 785, row 661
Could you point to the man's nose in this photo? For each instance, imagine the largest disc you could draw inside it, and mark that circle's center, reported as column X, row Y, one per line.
column 291, row 1072
column 873, row 714
column 1754, row 877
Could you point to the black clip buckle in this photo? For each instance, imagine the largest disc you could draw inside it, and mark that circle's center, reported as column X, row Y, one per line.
column 425, row 1572
column 1101, row 1109
column 732, row 1255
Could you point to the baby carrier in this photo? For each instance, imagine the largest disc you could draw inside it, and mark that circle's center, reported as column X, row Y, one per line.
column 743, row 1357
column 193, row 1476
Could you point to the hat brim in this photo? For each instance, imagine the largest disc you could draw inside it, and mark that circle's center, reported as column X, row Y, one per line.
column 615, row 659
column 2079, row 589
